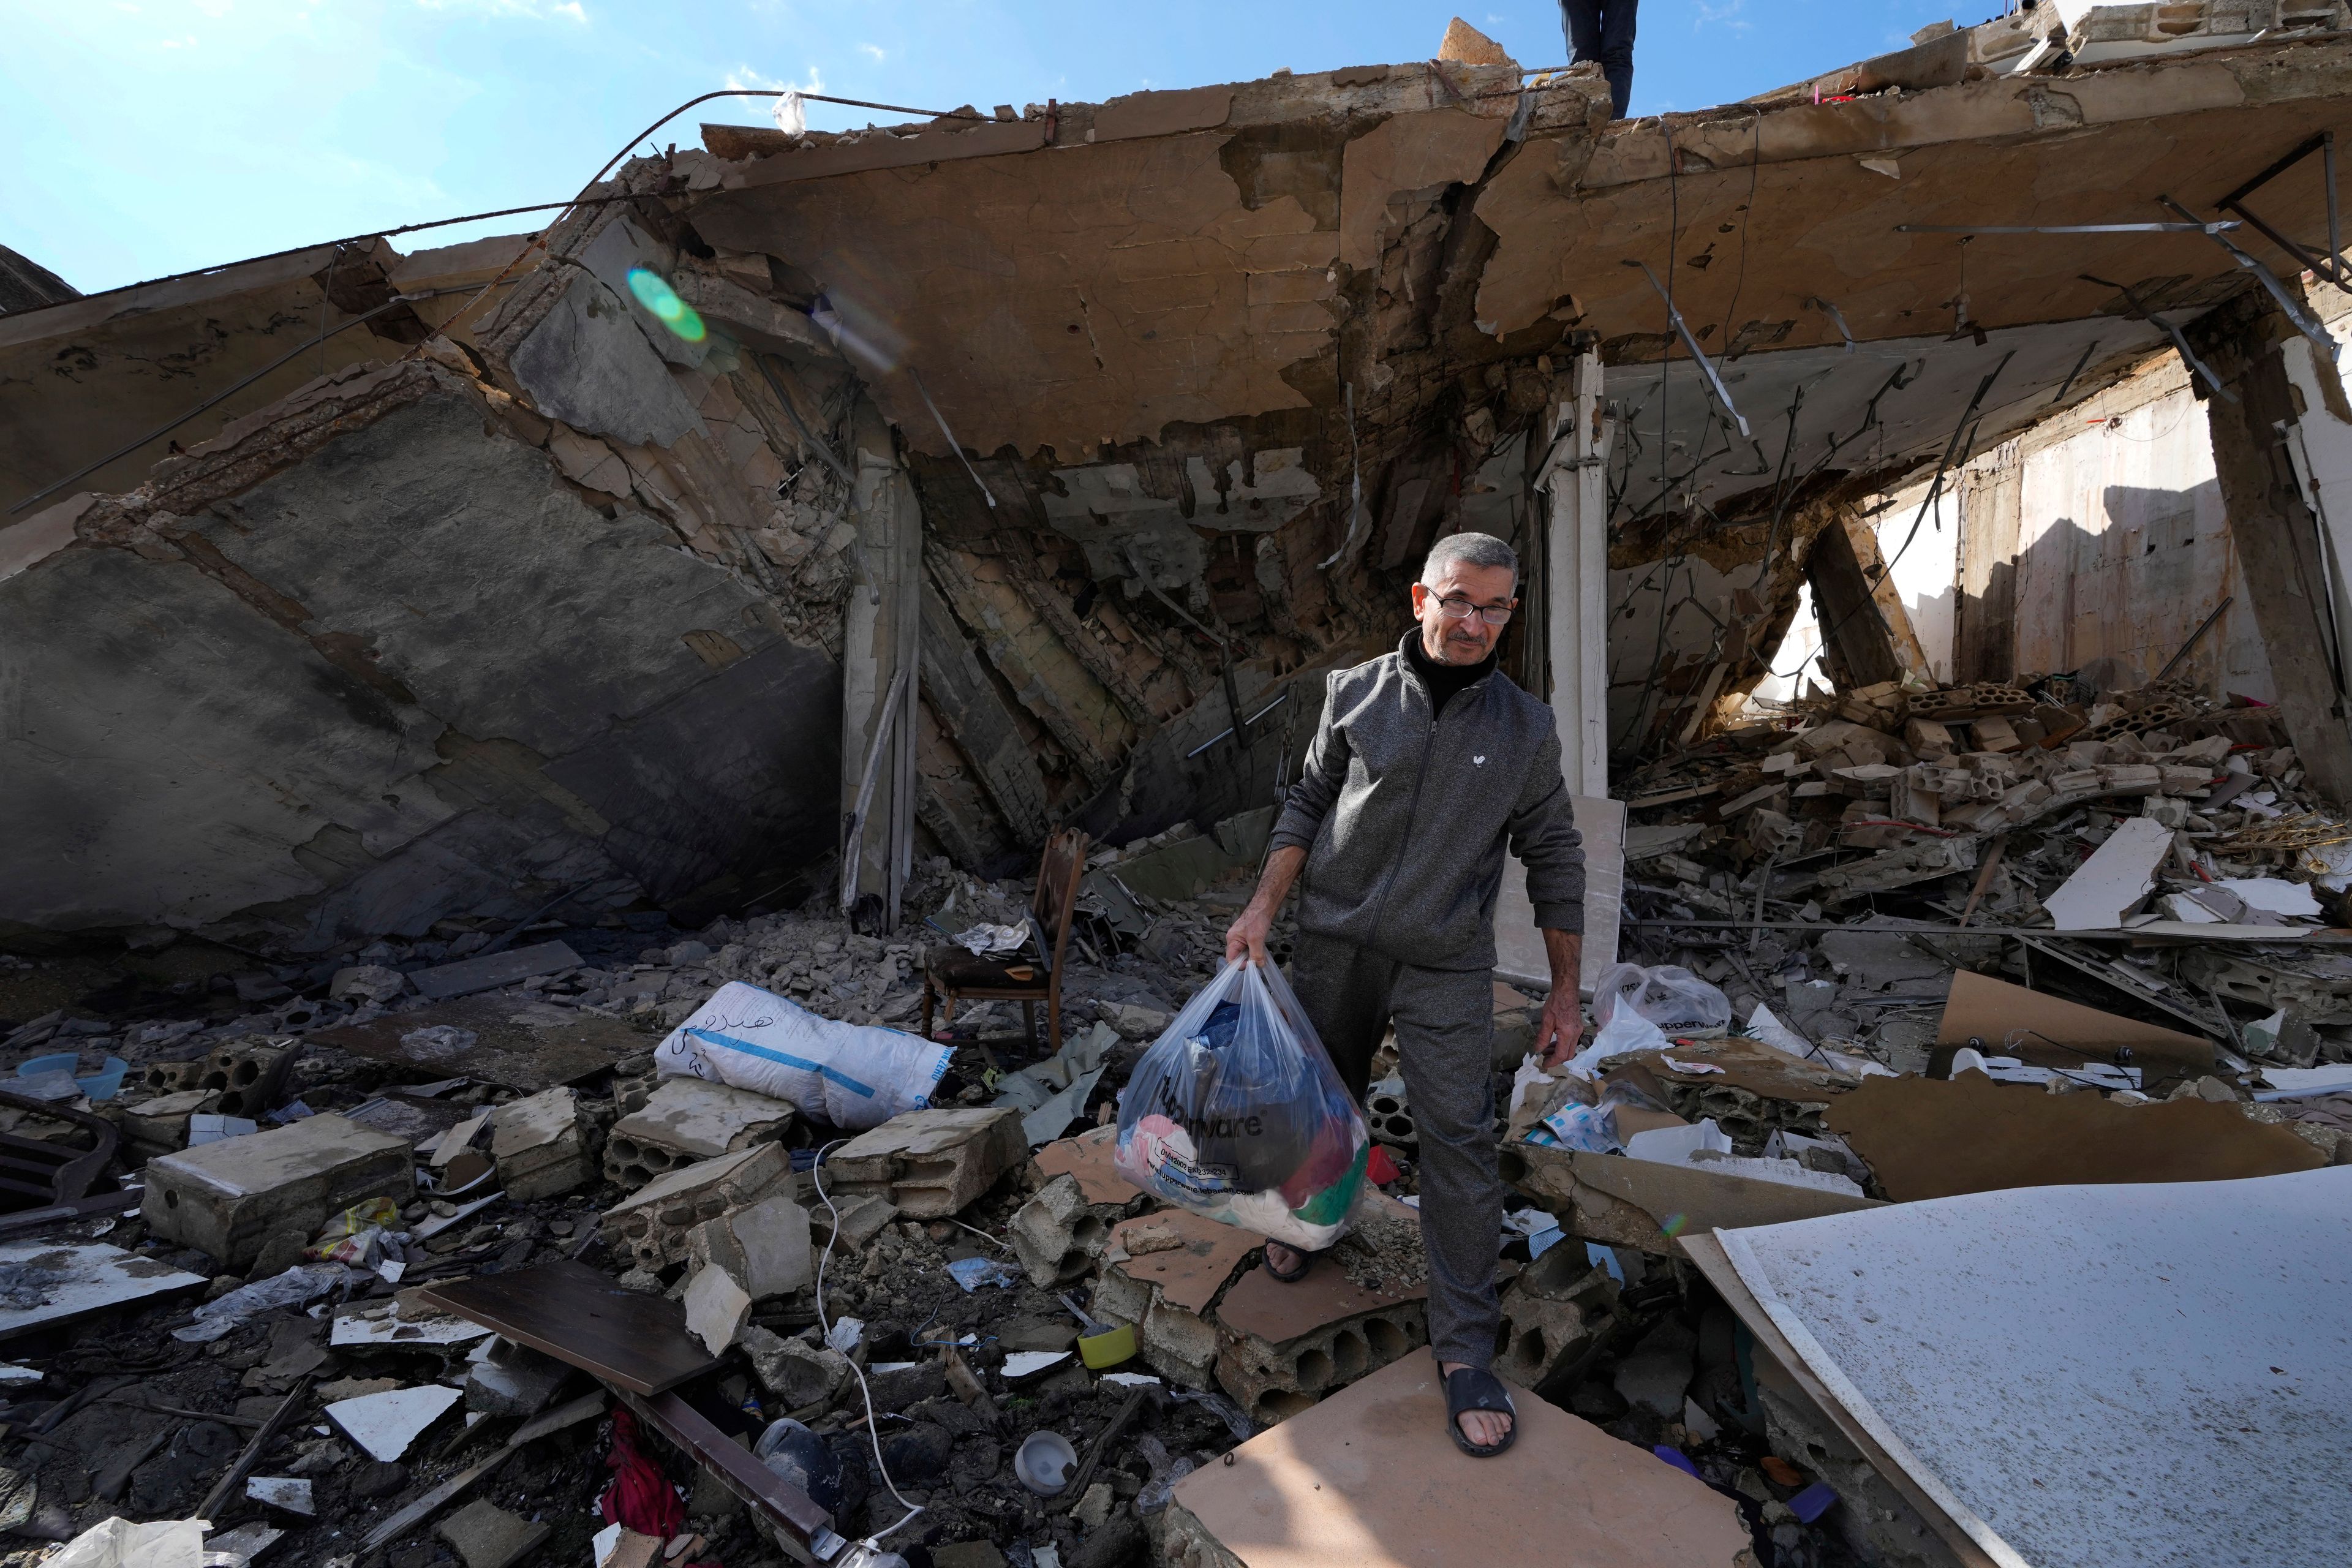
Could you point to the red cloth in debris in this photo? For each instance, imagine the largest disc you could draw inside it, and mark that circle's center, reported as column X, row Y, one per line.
column 640, row 1498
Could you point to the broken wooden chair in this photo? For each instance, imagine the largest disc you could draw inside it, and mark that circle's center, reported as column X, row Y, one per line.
column 951, row 972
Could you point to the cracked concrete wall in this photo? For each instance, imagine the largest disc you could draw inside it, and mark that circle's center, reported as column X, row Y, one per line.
column 410, row 672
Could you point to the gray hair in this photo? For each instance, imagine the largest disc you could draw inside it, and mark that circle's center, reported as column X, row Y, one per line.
column 1470, row 550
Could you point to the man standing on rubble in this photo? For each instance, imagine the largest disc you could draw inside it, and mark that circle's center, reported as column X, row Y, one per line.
column 1602, row 31
column 1427, row 762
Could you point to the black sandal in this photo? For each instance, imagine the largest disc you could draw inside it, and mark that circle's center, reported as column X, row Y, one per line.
column 1293, row 1275
column 1475, row 1388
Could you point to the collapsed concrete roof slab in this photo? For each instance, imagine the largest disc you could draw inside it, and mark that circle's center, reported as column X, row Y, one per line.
column 406, row 670
column 81, row 377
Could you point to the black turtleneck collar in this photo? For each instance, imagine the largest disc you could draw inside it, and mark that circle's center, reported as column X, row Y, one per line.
column 1443, row 680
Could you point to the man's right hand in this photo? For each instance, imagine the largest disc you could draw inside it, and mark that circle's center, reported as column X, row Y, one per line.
column 1247, row 933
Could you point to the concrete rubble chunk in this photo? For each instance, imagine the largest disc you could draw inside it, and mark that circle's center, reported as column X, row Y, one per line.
column 1284, row 1347
column 541, row 1145
column 367, row 982
column 488, row 1536
column 689, row 1119
column 492, row 969
column 797, row 1374
column 717, row 1308
column 857, row 1220
column 930, row 1163
column 657, row 1222
column 229, row 1197
column 764, row 1247
column 503, row 1378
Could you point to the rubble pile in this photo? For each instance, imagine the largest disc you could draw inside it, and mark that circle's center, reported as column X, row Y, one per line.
column 2013, row 810
column 345, row 1268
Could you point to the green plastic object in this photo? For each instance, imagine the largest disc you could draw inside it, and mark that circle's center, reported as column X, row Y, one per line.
column 1112, row 1347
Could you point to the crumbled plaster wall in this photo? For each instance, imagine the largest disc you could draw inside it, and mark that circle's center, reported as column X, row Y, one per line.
column 404, row 648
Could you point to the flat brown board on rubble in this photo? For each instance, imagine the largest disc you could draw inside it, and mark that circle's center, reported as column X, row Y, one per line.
column 1934, row 1138
column 1368, row 1478
column 528, row 1056
column 1262, row 1305
column 583, row 1319
column 1191, row 1273
column 2064, row 1034
column 1090, row 1158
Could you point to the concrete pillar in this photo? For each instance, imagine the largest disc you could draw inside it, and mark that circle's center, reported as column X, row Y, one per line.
column 1575, row 578
column 1858, row 646
column 2274, row 449
column 881, row 643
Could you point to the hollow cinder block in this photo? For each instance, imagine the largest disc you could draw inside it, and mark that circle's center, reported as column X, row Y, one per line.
column 685, row 1119
column 930, row 1163
column 656, row 1223
column 1274, row 1381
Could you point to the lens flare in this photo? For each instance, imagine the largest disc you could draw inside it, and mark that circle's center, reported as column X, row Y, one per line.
column 654, row 292
column 1675, row 1226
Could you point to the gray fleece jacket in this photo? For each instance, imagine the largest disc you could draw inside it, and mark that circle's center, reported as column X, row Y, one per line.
column 1404, row 818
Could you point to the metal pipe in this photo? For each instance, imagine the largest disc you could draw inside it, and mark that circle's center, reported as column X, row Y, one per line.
column 1673, row 315
column 2192, row 227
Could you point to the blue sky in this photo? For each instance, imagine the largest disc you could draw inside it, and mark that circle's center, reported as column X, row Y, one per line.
column 153, row 136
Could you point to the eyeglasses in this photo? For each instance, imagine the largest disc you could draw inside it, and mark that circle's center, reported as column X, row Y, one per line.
column 1462, row 609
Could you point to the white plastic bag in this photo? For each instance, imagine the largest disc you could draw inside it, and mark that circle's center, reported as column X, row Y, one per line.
column 1628, row 1031
column 1236, row 1112
column 852, row 1075
column 118, row 1543
column 791, row 115
column 1670, row 997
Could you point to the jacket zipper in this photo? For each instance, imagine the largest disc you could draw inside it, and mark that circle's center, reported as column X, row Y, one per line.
column 1413, row 808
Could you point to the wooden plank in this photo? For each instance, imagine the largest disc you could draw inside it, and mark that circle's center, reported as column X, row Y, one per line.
column 1707, row 1253
column 784, row 1505
column 583, row 1318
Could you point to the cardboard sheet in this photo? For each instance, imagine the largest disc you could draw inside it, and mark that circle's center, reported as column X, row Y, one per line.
column 2190, row 1402
column 1930, row 1138
column 2064, row 1032
column 1645, row 1205
column 1368, row 1478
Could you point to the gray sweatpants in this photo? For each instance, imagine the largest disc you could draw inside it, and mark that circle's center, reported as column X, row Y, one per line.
column 1444, row 1021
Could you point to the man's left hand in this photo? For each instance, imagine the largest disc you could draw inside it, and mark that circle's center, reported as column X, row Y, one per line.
column 1562, row 1024
column 1561, row 1027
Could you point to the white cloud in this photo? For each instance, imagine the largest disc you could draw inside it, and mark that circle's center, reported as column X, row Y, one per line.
column 1726, row 15
column 743, row 77
column 532, row 10
column 873, row 49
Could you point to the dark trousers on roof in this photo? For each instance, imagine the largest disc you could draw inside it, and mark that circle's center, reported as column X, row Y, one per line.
column 1444, row 1023
column 1602, row 30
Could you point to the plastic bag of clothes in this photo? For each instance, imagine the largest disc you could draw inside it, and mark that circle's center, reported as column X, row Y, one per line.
column 1236, row 1112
